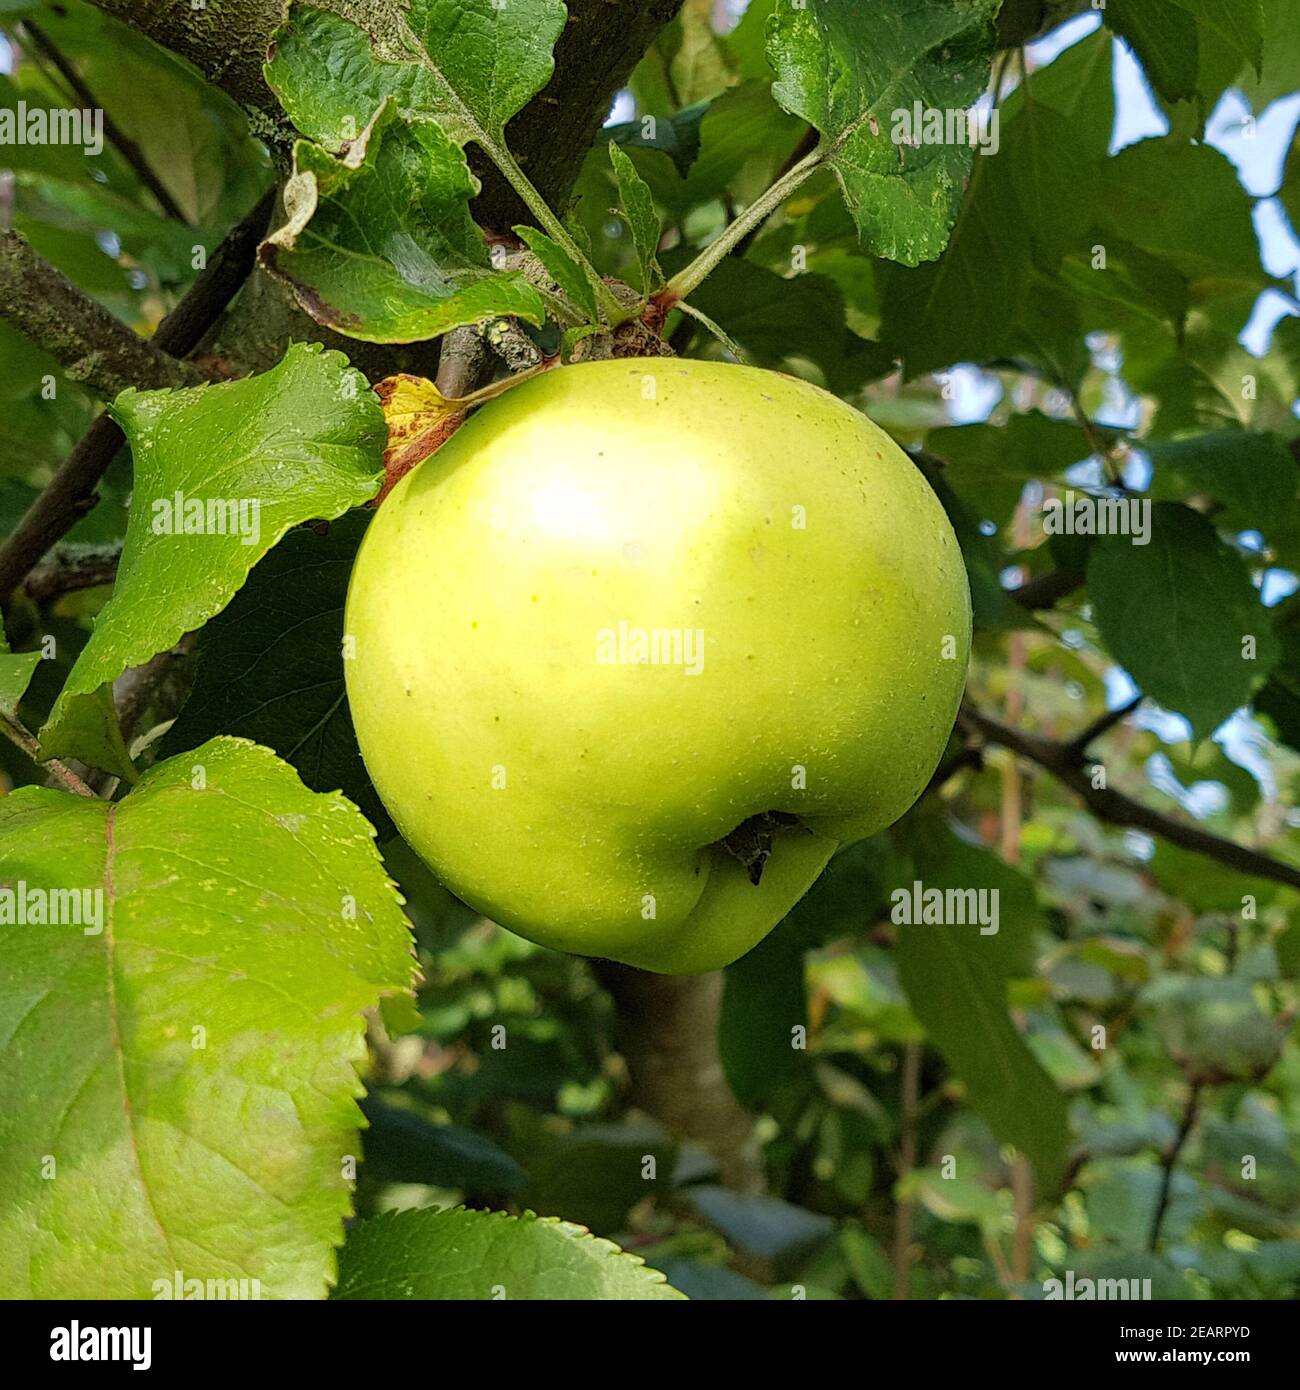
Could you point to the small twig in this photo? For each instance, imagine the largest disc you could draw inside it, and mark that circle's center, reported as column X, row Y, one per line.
column 1077, row 747
column 14, row 730
column 116, row 136
column 1047, row 590
column 911, row 1091
column 71, row 492
column 754, row 215
column 72, row 567
column 1170, row 1157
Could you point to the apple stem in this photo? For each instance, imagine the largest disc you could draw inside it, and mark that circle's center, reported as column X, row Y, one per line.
column 753, row 216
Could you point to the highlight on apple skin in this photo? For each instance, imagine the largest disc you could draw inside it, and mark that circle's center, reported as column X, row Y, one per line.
column 644, row 643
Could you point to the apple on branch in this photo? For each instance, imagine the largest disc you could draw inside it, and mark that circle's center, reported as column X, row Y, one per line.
column 644, row 643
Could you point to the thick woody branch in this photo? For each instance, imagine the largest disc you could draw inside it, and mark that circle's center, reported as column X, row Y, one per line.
column 225, row 39
column 1066, row 762
column 602, row 42
column 81, row 335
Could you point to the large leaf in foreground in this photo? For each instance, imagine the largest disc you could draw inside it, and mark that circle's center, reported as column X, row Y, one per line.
column 221, row 473
column 459, row 1254
column 270, row 666
column 379, row 244
column 177, row 1088
column 847, row 67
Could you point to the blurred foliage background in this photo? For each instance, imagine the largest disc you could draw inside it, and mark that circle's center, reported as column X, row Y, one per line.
column 1147, row 1058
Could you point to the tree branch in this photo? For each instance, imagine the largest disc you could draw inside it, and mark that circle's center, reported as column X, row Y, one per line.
column 114, row 133
column 1076, row 750
column 1047, row 590
column 1069, row 767
column 1170, row 1158
column 18, row 733
column 71, row 492
column 81, row 335
column 227, row 42
column 67, row 569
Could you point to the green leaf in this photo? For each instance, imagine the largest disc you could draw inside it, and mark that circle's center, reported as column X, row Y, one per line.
column 380, row 244
column 1281, row 56
column 472, row 65
column 270, row 666
column 989, row 465
column 254, row 457
column 189, row 1048
column 459, row 1254
column 1239, row 23
column 996, row 291
column 189, row 133
column 598, row 1173
column 1184, row 203
column 638, row 209
column 766, row 1227
column 982, row 556
column 562, row 268
column 956, row 981
column 1252, row 473
column 741, row 141
column 402, row 1146
column 1280, row 697
column 1163, row 35
column 763, row 1002
column 781, row 321
column 15, row 674
column 1176, row 612
column 1290, row 189
column 1214, row 1029
column 677, row 136
column 700, row 65
column 849, row 69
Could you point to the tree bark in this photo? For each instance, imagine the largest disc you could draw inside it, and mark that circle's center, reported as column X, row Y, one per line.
column 668, row 1033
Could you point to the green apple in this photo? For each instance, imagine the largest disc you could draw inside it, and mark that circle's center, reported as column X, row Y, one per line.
column 630, row 607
